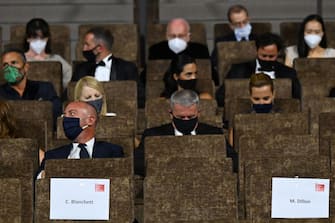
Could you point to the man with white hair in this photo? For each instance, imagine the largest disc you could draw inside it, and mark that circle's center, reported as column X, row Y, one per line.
column 178, row 40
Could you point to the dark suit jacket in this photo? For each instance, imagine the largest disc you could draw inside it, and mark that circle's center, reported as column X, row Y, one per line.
column 161, row 50
column 35, row 90
column 100, row 150
column 121, row 69
column 167, row 129
column 244, row 70
column 214, row 57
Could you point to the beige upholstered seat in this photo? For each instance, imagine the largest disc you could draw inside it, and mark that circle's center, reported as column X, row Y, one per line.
column 222, row 29
column 47, row 71
column 270, row 124
column 126, row 40
column 258, row 174
column 233, row 52
column 60, row 39
column 320, row 67
column 155, row 88
column 189, row 189
column 32, row 124
column 118, row 170
column 23, row 171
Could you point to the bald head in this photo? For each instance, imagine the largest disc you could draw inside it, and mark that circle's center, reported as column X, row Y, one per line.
column 178, row 28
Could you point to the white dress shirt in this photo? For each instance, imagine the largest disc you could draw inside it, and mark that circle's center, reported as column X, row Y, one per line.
column 177, row 133
column 102, row 73
column 74, row 153
column 271, row 74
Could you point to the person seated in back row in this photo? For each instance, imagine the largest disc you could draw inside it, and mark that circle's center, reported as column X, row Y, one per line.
column 184, row 114
column 241, row 30
column 178, row 40
column 19, row 87
column 312, row 41
column 268, row 46
column 182, row 74
column 79, row 123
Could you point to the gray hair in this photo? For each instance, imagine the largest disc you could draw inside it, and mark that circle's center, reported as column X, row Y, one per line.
column 185, row 98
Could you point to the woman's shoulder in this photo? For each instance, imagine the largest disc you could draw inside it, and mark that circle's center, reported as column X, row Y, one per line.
column 330, row 52
column 291, row 49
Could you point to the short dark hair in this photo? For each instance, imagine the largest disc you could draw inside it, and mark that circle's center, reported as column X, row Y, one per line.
column 303, row 48
column 32, row 27
column 102, row 34
column 267, row 39
column 15, row 50
column 236, row 9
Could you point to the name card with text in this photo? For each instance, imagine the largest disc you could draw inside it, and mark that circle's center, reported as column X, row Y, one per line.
column 79, row 199
column 300, row 198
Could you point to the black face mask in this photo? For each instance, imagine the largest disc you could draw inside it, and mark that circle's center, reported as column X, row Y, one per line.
column 89, row 55
column 185, row 126
column 187, row 84
column 262, row 108
column 267, row 65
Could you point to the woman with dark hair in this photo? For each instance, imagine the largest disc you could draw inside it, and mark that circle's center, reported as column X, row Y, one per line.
column 182, row 74
column 37, row 46
column 312, row 41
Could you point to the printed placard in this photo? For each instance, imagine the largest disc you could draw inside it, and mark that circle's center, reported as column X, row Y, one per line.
column 300, row 198
column 79, row 199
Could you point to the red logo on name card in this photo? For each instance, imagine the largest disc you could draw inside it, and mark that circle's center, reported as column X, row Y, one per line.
column 319, row 187
column 99, row 188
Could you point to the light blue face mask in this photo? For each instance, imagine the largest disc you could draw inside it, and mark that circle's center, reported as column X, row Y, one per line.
column 243, row 32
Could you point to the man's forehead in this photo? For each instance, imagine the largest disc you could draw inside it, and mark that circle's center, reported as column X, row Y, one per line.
column 180, row 107
column 12, row 56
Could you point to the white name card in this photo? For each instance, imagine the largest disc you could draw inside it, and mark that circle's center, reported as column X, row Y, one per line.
column 300, row 198
column 79, row 199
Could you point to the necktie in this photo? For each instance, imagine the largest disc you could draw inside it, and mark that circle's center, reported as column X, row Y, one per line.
column 83, row 154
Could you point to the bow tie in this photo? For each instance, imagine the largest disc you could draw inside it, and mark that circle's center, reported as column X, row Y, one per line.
column 102, row 63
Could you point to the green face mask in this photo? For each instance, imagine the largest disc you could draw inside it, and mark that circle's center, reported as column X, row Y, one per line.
column 12, row 75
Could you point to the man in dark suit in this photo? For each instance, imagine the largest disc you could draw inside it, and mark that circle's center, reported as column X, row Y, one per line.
column 103, row 65
column 79, row 123
column 241, row 30
column 268, row 46
column 19, row 87
column 178, row 40
column 184, row 115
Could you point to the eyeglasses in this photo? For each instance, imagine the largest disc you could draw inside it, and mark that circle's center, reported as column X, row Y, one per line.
column 241, row 23
column 180, row 36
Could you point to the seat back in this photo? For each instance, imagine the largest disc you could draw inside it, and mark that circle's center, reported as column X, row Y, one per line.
column 260, row 172
column 157, row 68
column 21, row 174
column 11, row 200
column 60, row 39
column 320, row 67
column 118, row 170
column 233, row 52
column 126, row 40
column 47, row 71
column 40, row 124
column 155, row 88
column 157, row 112
column 194, row 188
column 243, row 106
column 273, row 123
column 326, row 131
column 258, row 28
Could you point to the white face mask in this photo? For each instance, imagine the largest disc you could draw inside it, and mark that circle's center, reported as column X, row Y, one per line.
column 312, row 40
column 177, row 45
column 38, row 45
column 243, row 32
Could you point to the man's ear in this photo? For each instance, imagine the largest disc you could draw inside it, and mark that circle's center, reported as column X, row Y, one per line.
column 26, row 67
column 175, row 76
column 91, row 120
column 188, row 38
